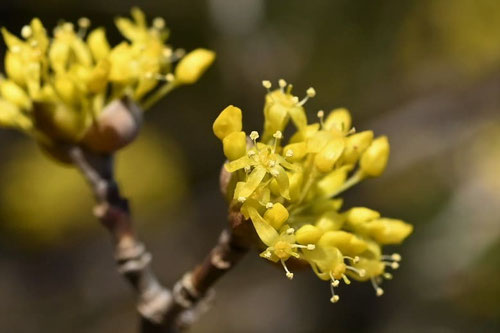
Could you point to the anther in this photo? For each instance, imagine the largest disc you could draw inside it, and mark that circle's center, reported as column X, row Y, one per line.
column 387, row 276
column 311, row 247
column 267, row 84
column 167, row 52
column 288, row 273
column 159, row 23
column 346, row 279
column 311, row 92
column 282, row 83
column 26, row 31
column 378, row 291
column 269, row 205
column 334, row 299
column 396, row 257
column 83, row 22
column 278, row 135
column 289, row 153
column 290, row 231
column 335, row 283
column 295, row 99
column 254, row 135
column 360, row 272
column 242, row 199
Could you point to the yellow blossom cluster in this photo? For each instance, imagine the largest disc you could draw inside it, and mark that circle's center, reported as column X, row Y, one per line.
column 56, row 86
column 289, row 189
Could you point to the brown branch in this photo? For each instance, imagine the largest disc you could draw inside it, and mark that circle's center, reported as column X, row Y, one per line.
column 192, row 293
column 132, row 258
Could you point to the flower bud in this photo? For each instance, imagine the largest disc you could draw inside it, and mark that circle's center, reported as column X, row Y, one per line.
column 193, row 65
column 235, row 145
column 15, row 94
column 388, row 231
column 14, row 67
column 296, row 180
column 228, row 121
column 98, row 44
column 359, row 215
column 116, row 126
column 294, row 152
column 346, row 242
column 356, row 144
column 60, row 122
column 327, row 157
column 374, row 159
column 329, row 185
column 339, row 119
column 330, row 220
column 11, row 116
column 276, row 215
column 308, row 234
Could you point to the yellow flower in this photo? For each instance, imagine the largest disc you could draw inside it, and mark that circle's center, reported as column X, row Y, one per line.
column 58, row 87
column 288, row 189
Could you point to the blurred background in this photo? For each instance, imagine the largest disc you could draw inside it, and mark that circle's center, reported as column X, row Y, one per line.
column 424, row 72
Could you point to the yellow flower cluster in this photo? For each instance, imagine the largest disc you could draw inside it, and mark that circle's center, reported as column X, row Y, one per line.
column 56, row 87
column 288, row 189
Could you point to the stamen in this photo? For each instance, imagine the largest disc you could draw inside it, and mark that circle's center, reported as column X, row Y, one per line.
column 288, row 273
column 353, row 259
column 321, row 116
column 272, row 163
column 387, row 276
column 335, row 298
column 277, row 136
column 282, row 84
column 84, row 22
column 289, row 153
column 295, row 100
column 310, row 93
column 242, row 199
column 26, row 32
column 178, row 54
column 247, row 168
column 309, row 247
column 360, row 272
column 393, row 265
column 290, row 231
column 346, row 279
column 335, row 283
column 351, row 131
column 269, row 205
column 251, row 153
column 254, row 135
column 167, row 52
column 379, row 291
column 267, row 84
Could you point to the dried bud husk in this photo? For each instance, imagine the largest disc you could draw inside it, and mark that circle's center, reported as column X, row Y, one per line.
column 116, row 126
